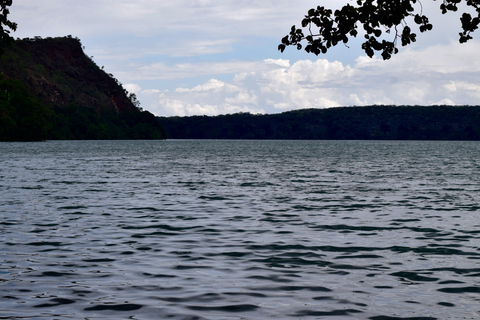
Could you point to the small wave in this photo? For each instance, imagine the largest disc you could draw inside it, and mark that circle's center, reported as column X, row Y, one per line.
column 55, row 302
column 115, row 307
column 57, row 274
column 213, row 198
column 413, row 276
column 460, row 290
column 227, row 308
column 315, row 313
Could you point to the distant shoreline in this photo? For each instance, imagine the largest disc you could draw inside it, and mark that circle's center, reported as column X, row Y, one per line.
column 339, row 123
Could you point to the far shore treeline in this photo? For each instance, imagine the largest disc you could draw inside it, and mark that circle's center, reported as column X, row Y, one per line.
column 343, row 123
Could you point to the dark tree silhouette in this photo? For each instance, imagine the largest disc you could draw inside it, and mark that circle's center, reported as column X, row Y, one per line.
column 6, row 26
column 323, row 28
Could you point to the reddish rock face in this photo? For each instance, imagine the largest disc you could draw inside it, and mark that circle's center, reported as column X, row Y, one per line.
column 58, row 71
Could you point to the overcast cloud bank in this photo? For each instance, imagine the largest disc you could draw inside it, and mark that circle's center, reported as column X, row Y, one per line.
column 431, row 76
column 189, row 57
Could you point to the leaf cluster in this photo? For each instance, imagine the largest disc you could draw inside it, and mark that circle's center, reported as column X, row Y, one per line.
column 6, row 26
column 383, row 24
column 469, row 24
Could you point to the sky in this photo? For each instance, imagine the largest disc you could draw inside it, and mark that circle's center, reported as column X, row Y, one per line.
column 211, row 57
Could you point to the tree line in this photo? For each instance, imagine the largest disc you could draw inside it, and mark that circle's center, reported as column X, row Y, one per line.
column 343, row 123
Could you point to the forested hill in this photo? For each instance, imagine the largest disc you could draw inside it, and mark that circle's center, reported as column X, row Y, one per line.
column 49, row 89
column 352, row 123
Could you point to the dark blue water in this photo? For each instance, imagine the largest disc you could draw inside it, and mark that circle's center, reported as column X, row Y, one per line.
column 240, row 230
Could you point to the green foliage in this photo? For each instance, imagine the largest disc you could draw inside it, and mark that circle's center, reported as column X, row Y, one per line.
column 59, row 93
column 134, row 100
column 347, row 123
column 375, row 17
column 6, row 26
column 82, row 123
column 23, row 117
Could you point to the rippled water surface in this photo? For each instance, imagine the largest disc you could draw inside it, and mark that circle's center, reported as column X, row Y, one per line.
column 240, row 230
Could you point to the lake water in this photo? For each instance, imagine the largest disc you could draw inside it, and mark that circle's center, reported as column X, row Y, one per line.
column 240, row 230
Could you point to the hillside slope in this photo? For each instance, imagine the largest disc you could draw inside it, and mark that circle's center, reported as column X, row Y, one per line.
column 52, row 90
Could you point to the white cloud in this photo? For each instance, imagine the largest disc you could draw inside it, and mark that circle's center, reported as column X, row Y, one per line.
column 151, row 91
column 184, row 57
column 243, row 98
column 211, row 98
column 162, row 71
column 183, row 27
column 413, row 77
column 465, row 88
column 175, row 22
column 133, row 88
column 278, row 62
column 172, row 106
column 212, row 84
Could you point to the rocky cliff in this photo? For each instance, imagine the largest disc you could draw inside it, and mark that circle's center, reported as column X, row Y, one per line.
column 57, row 72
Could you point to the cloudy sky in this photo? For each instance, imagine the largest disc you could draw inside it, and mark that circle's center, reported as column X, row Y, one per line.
column 195, row 57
